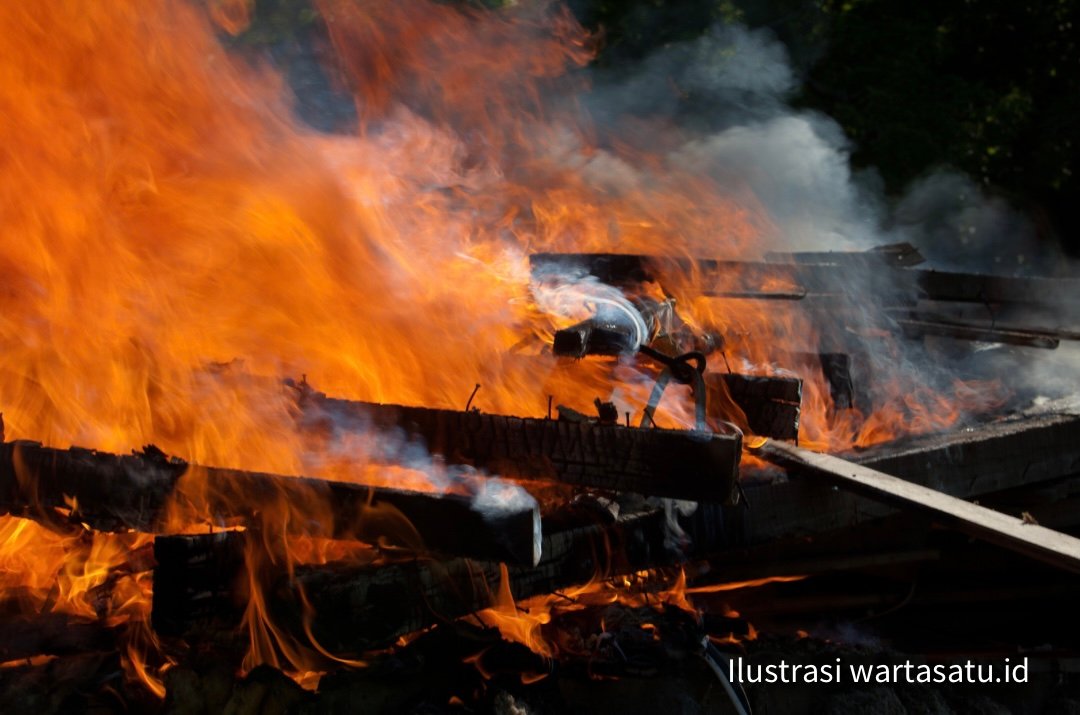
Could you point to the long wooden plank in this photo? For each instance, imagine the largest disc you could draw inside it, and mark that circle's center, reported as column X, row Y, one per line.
column 894, row 286
column 988, row 334
column 681, row 464
column 988, row 458
column 968, row 464
column 899, row 255
column 132, row 492
column 1033, row 540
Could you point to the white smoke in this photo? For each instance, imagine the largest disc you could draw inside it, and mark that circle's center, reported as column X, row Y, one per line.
column 728, row 93
column 730, row 90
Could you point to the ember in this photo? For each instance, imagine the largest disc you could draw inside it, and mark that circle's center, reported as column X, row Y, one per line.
column 239, row 356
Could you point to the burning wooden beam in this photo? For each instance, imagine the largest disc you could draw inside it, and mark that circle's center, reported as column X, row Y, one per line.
column 1010, row 532
column 895, row 286
column 111, row 492
column 771, row 405
column 681, row 464
column 199, row 582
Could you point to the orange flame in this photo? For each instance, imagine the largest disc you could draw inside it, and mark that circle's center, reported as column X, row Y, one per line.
column 166, row 215
column 523, row 621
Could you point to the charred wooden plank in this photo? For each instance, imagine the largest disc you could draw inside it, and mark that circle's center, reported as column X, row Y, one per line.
column 1030, row 539
column 200, row 582
column 681, row 464
column 899, row 255
column 893, row 286
column 1035, row 320
column 770, row 405
column 988, row 334
column 993, row 458
column 55, row 634
column 76, row 683
column 974, row 288
column 1015, row 452
column 721, row 278
column 112, row 492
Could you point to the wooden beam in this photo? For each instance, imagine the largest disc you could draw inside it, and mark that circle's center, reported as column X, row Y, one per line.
column 1014, row 452
column 1013, row 533
column 769, row 406
column 978, row 317
column 898, row 255
column 681, row 464
column 1000, row 456
column 117, row 493
column 894, row 286
column 55, row 634
column 200, row 581
column 987, row 334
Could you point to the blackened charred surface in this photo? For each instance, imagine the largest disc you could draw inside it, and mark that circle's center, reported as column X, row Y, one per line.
column 595, row 336
column 659, row 462
column 60, row 634
column 89, row 682
column 1007, row 455
column 120, row 493
column 985, row 459
column 363, row 607
column 113, row 493
column 897, row 255
column 198, row 578
column 771, row 405
column 1011, row 532
column 982, row 333
column 837, row 369
column 892, row 285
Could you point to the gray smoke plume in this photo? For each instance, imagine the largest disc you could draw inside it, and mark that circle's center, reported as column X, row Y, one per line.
column 727, row 96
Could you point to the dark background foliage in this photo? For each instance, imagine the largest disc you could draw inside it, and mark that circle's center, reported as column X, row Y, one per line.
column 987, row 87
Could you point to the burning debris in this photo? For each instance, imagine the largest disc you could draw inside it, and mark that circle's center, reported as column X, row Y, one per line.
column 224, row 538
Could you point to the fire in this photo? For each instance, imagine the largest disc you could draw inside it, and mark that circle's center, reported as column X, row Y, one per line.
column 176, row 242
column 83, row 575
column 524, row 621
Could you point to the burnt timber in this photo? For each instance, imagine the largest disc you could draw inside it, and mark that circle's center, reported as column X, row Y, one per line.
column 1013, row 533
column 116, row 493
column 55, row 634
column 895, row 285
column 899, row 255
column 989, row 334
column 681, row 464
column 771, row 405
column 1016, row 453
column 363, row 607
column 1026, row 452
